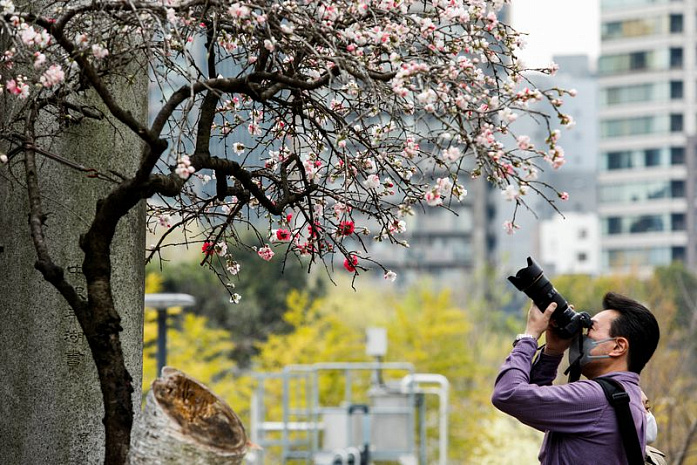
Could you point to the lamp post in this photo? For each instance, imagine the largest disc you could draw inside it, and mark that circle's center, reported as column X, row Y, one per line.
column 376, row 346
column 161, row 302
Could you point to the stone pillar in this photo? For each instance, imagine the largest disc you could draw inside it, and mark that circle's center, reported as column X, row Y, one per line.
column 51, row 406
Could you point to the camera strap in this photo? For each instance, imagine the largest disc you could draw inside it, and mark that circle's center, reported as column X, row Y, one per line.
column 574, row 369
column 619, row 399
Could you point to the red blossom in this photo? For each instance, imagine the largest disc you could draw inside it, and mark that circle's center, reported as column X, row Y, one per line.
column 351, row 265
column 208, row 248
column 346, row 228
column 314, row 229
column 283, row 235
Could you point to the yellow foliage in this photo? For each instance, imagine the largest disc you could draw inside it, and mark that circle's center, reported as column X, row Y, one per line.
column 424, row 328
column 196, row 349
column 153, row 283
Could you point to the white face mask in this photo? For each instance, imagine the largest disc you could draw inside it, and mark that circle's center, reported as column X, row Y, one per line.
column 651, row 428
column 583, row 353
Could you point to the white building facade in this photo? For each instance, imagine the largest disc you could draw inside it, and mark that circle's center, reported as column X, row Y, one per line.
column 647, row 105
column 570, row 244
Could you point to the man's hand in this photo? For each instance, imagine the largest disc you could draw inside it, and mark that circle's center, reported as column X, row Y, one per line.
column 538, row 321
column 555, row 345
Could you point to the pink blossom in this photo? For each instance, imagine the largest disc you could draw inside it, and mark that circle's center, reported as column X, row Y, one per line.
column 390, row 276
column 524, row 142
column 53, row 76
column 510, row 227
column 164, row 220
column 433, row 198
column 18, row 88
column 99, row 52
column 492, row 21
column 265, row 253
column 398, row 226
column 184, row 168
column 220, row 248
column 254, row 129
column 507, row 115
column 459, row 192
column 27, row 34
column 564, row 196
column 452, row 153
column 237, row 10
column 341, row 208
column 42, row 39
column 233, row 267
column 171, row 16
column 444, row 185
column 373, row 181
column 39, row 59
column 510, row 193
column 81, row 40
column 567, row 121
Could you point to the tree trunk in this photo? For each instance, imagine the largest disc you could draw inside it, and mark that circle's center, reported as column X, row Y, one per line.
column 185, row 423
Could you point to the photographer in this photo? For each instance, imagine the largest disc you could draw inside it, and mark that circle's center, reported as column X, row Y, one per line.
column 579, row 423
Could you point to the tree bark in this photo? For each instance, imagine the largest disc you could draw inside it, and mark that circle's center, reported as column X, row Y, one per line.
column 185, row 423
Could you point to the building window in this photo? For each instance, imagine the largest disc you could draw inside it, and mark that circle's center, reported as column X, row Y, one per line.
column 676, row 90
column 619, row 160
column 677, row 189
column 641, row 191
column 650, row 124
column 611, row 30
column 637, row 60
column 646, row 223
column 676, row 23
column 614, row 225
column 581, row 257
column 625, row 258
column 676, row 57
column 652, row 157
column 677, row 222
column 677, row 155
column 678, row 254
column 676, row 122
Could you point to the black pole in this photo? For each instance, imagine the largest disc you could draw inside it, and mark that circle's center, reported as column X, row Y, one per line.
column 161, row 339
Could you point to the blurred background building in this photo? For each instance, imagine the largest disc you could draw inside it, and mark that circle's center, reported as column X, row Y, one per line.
column 646, row 78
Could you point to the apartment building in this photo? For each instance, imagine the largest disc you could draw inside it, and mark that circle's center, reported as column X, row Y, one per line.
column 647, row 110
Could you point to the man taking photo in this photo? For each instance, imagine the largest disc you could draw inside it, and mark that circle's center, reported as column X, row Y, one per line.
column 580, row 425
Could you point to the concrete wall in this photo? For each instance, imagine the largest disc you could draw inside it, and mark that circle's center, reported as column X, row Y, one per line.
column 50, row 403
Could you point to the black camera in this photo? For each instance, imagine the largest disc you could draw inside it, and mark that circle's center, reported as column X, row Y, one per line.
column 533, row 283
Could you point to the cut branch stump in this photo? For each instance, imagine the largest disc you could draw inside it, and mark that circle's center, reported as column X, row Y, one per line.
column 185, row 423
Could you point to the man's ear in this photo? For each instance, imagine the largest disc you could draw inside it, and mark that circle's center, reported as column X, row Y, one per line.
column 621, row 347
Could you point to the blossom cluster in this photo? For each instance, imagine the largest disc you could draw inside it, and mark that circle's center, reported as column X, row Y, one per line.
column 334, row 119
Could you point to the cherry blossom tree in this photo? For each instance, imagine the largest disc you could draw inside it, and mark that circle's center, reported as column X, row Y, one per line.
column 316, row 124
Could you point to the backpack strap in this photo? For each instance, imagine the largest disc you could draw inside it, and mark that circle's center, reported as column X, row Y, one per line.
column 619, row 399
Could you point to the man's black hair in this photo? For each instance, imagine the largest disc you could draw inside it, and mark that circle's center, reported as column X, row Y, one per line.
column 636, row 323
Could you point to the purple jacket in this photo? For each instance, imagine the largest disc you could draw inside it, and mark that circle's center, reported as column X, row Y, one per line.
column 580, row 425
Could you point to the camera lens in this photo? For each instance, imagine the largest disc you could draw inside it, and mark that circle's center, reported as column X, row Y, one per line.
column 532, row 281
